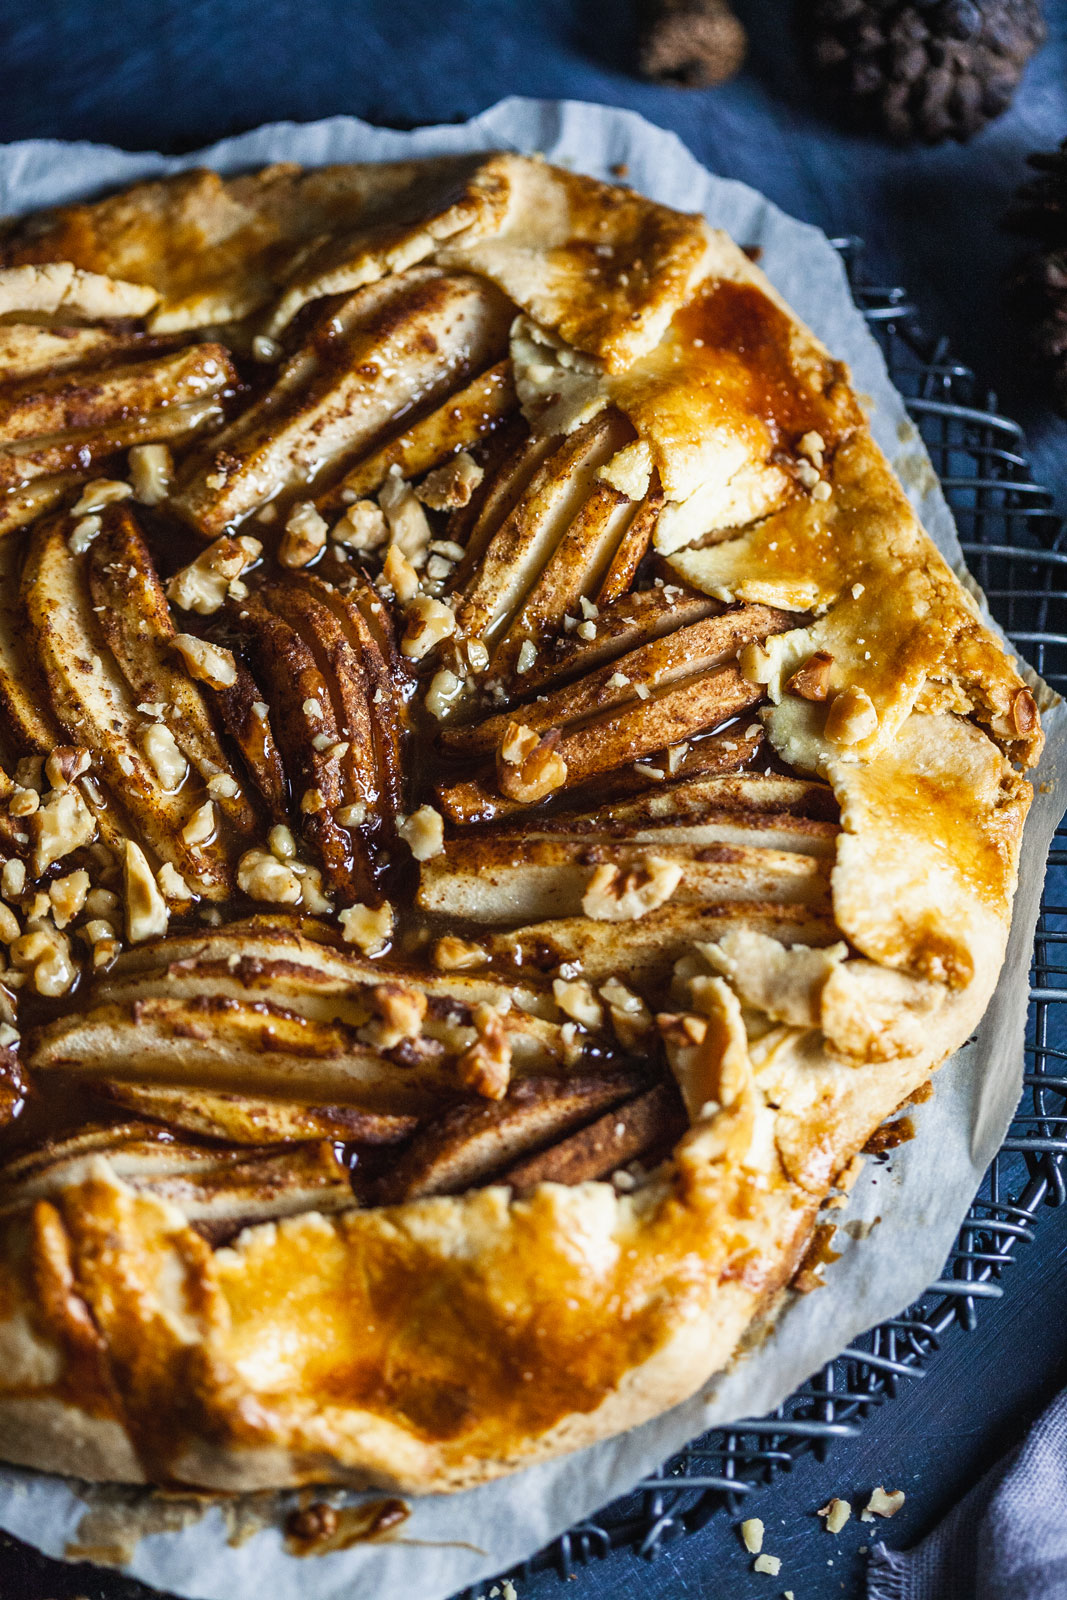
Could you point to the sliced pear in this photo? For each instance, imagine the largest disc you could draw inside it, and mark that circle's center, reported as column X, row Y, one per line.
column 512, row 880
column 457, row 424
column 470, row 1143
column 94, row 705
column 644, row 1127
column 135, row 621
column 405, row 341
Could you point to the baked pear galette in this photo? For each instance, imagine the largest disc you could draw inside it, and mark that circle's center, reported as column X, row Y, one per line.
column 500, row 799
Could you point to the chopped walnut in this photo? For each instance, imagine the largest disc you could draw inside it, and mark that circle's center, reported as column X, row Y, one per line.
column 63, row 824
column 408, row 526
column 44, row 953
column 363, row 527
column 452, row 954
column 201, row 825
column 445, row 689
column 66, row 763
column 38, row 907
column 24, row 802
column 755, row 664
column 312, row 896
column 9, row 925
column 485, row 1065
column 207, row 663
column 151, row 471
column 146, row 910
column 68, row 896
column 172, row 886
column 851, row 717
column 103, row 941
column 13, row 879
column 312, row 801
column 527, row 656
column 822, row 490
column 29, row 772
column 452, row 485
column 99, row 493
column 630, row 1017
column 576, row 999
column 102, row 903
column 304, row 537
column 423, row 833
column 883, row 1503
column 163, row 756
column 281, row 842
column 399, row 574
column 752, row 1535
column 772, row 1565
column 518, row 742
column 83, row 533
column 812, row 680
column 837, row 1513
column 812, row 445
column 615, row 894
column 426, row 624
column 368, row 927
column 477, row 655
column 223, row 787
column 261, row 876
column 527, row 767
column 353, row 816
column 202, row 585
column 399, row 1013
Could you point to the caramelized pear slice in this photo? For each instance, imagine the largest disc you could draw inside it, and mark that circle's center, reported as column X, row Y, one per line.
column 646, row 950
column 457, row 424
column 218, row 1191
column 246, row 1119
column 511, row 880
column 519, row 548
column 86, row 449
column 634, row 619
column 102, row 397
column 646, row 1126
column 570, row 575
column 94, row 705
column 686, row 653
column 471, row 1142
column 304, row 723
column 479, row 799
column 135, row 621
column 408, row 340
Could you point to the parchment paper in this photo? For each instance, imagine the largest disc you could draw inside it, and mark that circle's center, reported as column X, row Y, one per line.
column 921, row 1197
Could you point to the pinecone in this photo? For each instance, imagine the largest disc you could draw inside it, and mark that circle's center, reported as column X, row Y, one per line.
column 1040, row 284
column 691, row 44
column 923, row 69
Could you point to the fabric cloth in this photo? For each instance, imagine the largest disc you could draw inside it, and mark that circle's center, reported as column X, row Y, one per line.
column 1007, row 1540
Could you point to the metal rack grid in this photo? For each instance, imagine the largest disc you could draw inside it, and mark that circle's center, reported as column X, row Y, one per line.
column 1015, row 547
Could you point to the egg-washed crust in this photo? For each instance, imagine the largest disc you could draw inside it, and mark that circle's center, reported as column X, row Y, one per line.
column 430, row 1344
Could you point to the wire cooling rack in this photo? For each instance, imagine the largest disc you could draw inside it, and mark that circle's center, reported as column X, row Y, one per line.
column 1015, row 547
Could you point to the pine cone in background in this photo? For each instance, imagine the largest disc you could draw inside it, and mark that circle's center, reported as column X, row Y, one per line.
column 923, row 69
column 693, row 44
column 1040, row 285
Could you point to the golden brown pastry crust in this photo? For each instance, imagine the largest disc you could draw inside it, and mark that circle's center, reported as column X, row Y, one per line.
column 822, row 968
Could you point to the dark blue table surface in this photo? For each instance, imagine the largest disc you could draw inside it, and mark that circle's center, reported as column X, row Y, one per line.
column 175, row 74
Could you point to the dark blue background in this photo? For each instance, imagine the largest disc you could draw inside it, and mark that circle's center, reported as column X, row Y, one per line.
column 162, row 74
